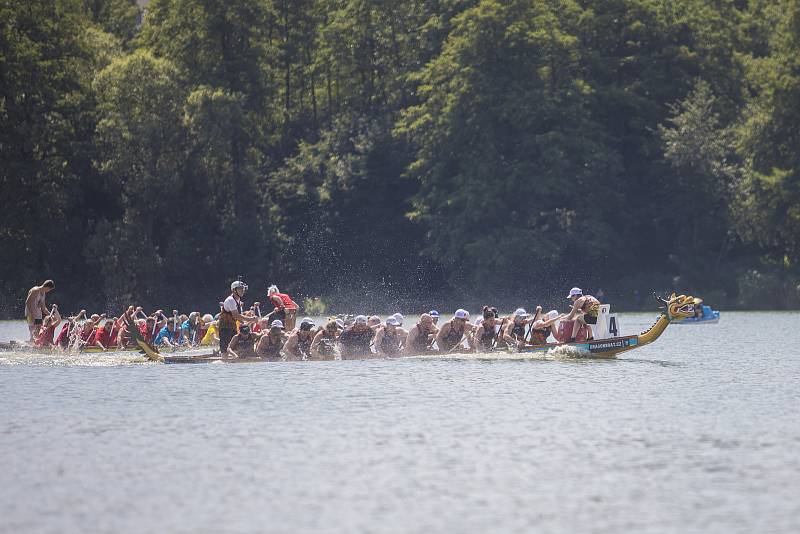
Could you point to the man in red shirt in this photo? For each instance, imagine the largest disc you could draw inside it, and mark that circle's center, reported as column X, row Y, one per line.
column 285, row 307
column 103, row 336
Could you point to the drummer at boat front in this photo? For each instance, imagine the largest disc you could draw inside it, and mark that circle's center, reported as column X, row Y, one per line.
column 585, row 309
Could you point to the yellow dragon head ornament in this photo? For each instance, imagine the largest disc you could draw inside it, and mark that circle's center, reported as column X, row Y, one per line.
column 679, row 306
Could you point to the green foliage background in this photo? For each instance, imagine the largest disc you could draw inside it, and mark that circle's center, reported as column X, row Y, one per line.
column 395, row 153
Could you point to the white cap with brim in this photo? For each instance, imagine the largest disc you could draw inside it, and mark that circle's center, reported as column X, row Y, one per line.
column 399, row 317
column 552, row 314
column 307, row 320
column 277, row 323
column 575, row 291
column 360, row 319
column 462, row 314
column 520, row 312
column 392, row 321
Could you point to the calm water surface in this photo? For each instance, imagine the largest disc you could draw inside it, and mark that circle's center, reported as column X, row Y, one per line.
column 699, row 432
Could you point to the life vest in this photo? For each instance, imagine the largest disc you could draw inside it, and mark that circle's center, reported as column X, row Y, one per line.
column 451, row 339
column 245, row 348
column 591, row 306
column 518, row 331
column 327, row 344
column 356, row 343
column 226, row 320
column 390, row 344
column 487, row 338
column 45, row 338
column 63, row 336
column 539, row 335
column 271, row 349
column 420, row 343
column 304, row 345
column 208, row 337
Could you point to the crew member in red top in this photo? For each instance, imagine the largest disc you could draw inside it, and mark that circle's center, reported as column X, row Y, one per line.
column 285, row 307
column 102, row 337
column 45, row 337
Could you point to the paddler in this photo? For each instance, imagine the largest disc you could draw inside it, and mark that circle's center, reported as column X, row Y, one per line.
column 542, row 328
column 210, row 336
column 388, row 339
column 49, row 323
column 242, row 345
column 324, row 345
column 103, row 337
column 230, row 313
column 483, row 338
column 36, row 307
column 285, row 308
column 421, row 336
column 298, row 346
column 585, row 309
column 271, row 342
column 354, row 342
column 514, row 333
column 454, row 332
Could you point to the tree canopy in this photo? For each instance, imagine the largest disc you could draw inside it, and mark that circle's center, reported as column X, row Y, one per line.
column 392, row 153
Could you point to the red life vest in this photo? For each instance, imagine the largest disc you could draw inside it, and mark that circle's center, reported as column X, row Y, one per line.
column 45, row 338
column 63, row 336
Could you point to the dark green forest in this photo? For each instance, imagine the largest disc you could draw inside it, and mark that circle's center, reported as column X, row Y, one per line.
column 398, row 153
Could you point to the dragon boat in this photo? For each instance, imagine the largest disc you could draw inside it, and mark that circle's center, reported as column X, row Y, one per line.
column 676, row 308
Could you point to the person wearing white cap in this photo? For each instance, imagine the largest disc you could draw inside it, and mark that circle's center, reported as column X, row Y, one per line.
column 388, row 339
column 324, row 345
column 514, row 333
column 454, row 332
column 585, row 309
column 231, row 313
column 270, row 345
column 354, row 342
column 542, row 328
column 400, row 318
column 421, row 336
column 298, row 345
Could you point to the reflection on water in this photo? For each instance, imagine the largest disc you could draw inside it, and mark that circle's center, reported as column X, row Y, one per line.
column 696, row 433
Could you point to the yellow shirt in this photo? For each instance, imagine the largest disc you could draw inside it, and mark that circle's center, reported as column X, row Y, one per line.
column 208, row 339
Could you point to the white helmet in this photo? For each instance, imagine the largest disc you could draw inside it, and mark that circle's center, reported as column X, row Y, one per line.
column 238, row 284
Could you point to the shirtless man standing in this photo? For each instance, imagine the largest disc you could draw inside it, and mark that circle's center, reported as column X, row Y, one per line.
column 36, row 308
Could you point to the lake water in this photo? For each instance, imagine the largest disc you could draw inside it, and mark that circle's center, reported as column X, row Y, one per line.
column 699, row 432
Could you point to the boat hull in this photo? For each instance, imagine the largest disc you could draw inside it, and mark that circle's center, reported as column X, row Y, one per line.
column 600, row 348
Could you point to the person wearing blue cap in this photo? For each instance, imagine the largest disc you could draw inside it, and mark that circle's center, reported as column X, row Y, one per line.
column 435, row 316
column 298, row 346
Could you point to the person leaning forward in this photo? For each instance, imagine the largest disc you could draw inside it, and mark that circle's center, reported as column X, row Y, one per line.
column 36, row 307
column 230, row 313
